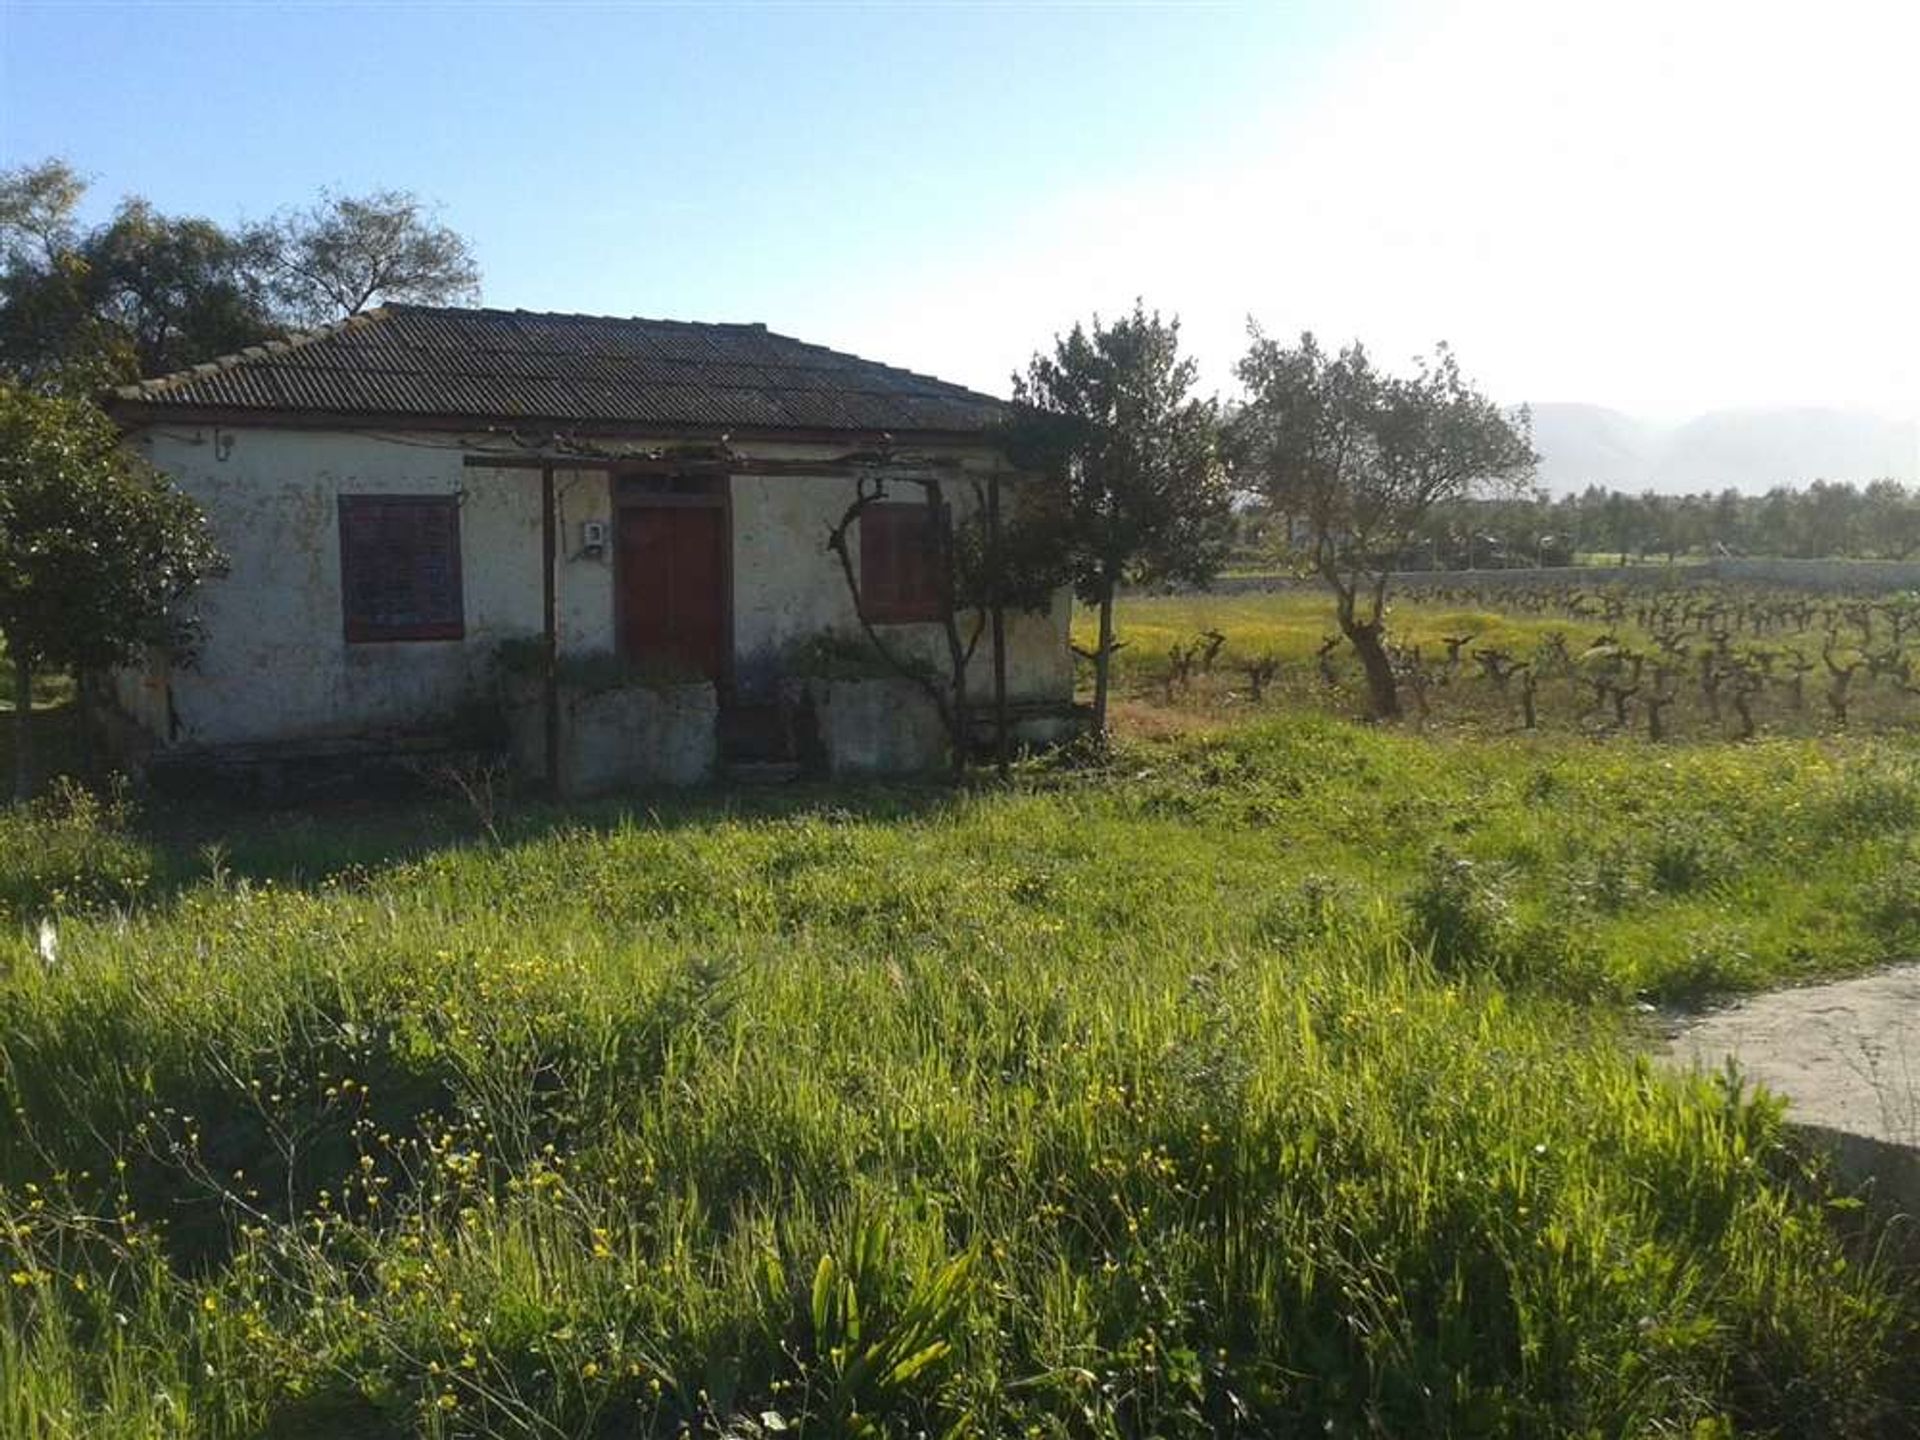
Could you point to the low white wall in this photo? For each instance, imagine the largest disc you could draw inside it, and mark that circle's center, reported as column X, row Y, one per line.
column 275, row 664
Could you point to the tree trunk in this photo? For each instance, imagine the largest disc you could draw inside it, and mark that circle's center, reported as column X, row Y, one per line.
column 1103, row 664
column 22, row 731
column 1383, row 690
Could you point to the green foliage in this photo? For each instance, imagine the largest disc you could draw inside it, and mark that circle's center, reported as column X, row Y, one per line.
column 146, row 294
column 169, row 291
column 1110, row 420
column 1131, row 462
column 141, row 294
column 1361, row 458
column 1823, row 520
column 97, row 549
column 1461, row 914
column 1889, row 900
column 344, row 253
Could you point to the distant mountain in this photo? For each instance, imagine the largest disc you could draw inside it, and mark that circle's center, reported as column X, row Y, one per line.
column 1748, row 450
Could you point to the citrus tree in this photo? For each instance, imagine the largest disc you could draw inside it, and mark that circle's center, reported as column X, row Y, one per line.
column 97, row 549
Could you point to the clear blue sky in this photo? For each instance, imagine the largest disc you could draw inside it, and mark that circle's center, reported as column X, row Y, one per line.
column 700, row 161
column 1654, row 205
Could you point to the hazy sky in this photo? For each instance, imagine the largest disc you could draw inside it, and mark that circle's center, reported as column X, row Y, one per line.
column 1661, row 206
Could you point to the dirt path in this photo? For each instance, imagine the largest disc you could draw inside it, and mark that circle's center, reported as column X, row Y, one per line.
column 1847, row 1057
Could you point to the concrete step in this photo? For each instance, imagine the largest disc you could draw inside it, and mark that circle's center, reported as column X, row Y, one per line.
column 754, row 734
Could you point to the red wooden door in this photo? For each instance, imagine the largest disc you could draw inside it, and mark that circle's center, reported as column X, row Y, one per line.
column 671, row 581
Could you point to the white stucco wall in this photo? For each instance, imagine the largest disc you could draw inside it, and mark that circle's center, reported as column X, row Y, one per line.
column 787, row 587
column 274, row 664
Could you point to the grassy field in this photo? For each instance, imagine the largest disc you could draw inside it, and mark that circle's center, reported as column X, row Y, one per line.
column 1273, row 1077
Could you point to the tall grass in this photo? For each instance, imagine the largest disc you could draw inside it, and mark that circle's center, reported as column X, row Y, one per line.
column 1254, row 1087
column 70, row 850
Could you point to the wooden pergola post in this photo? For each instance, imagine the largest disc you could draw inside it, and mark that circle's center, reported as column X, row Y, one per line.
column 550, row 659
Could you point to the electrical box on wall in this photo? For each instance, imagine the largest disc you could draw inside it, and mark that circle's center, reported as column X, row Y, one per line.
column 593, row 537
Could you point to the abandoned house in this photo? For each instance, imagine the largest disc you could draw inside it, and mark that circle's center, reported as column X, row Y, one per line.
column 608, row 535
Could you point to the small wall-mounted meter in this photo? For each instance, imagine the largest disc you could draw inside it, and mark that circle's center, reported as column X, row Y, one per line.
column 593, row 537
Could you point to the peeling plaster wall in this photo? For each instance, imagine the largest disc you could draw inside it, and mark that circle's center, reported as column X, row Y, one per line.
column 787, row 587
column 274, row 664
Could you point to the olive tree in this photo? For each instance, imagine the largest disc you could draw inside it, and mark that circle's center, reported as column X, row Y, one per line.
column 1359, row 458
column 344, row 253
column 97, row 549
column 1110, row 421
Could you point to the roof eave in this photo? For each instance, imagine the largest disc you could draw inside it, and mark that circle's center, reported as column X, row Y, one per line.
column 133, row 414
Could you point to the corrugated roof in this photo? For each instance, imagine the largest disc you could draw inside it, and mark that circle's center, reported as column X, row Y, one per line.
column 519, row 366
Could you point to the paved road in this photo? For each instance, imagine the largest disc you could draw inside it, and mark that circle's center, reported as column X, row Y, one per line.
column 1846, row 1056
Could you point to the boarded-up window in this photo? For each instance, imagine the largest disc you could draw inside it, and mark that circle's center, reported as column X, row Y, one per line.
column 902, row 571
column 400, row 567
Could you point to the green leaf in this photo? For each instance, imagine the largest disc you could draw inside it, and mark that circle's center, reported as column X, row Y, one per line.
column 822, row 1300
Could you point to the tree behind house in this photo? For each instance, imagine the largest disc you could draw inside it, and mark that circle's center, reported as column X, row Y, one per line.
column 1109, row 419
column 142, row 294
column 146, row 294
column 345, row 253
column 1362, row 458
column 97, row 549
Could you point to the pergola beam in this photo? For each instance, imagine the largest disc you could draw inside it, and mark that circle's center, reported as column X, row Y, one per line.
column 904, row 466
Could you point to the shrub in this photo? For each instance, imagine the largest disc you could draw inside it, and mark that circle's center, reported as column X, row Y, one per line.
column 1890, row 903
column 1686, row 856
column 70, row 851
column 588, row 672
column 1460, row 913
column 1311, row 910
column 1877, row 799
column 843, row 655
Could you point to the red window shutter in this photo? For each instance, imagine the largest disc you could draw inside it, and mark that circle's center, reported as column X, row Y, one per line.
column 900, row 564
column 400, row 567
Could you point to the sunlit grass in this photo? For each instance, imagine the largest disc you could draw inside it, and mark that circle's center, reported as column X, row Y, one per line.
column 1270, row 1081
column 1292, row 623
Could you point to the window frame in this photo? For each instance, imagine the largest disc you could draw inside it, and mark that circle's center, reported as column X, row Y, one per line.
column 926, row 602
column 357, row 627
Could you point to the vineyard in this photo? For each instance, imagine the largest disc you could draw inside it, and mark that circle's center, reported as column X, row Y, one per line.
column 1699, row 662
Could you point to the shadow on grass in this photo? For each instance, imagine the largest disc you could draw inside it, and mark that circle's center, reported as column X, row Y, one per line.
column 59, row 748
column 363, row 833
column 355, row 824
